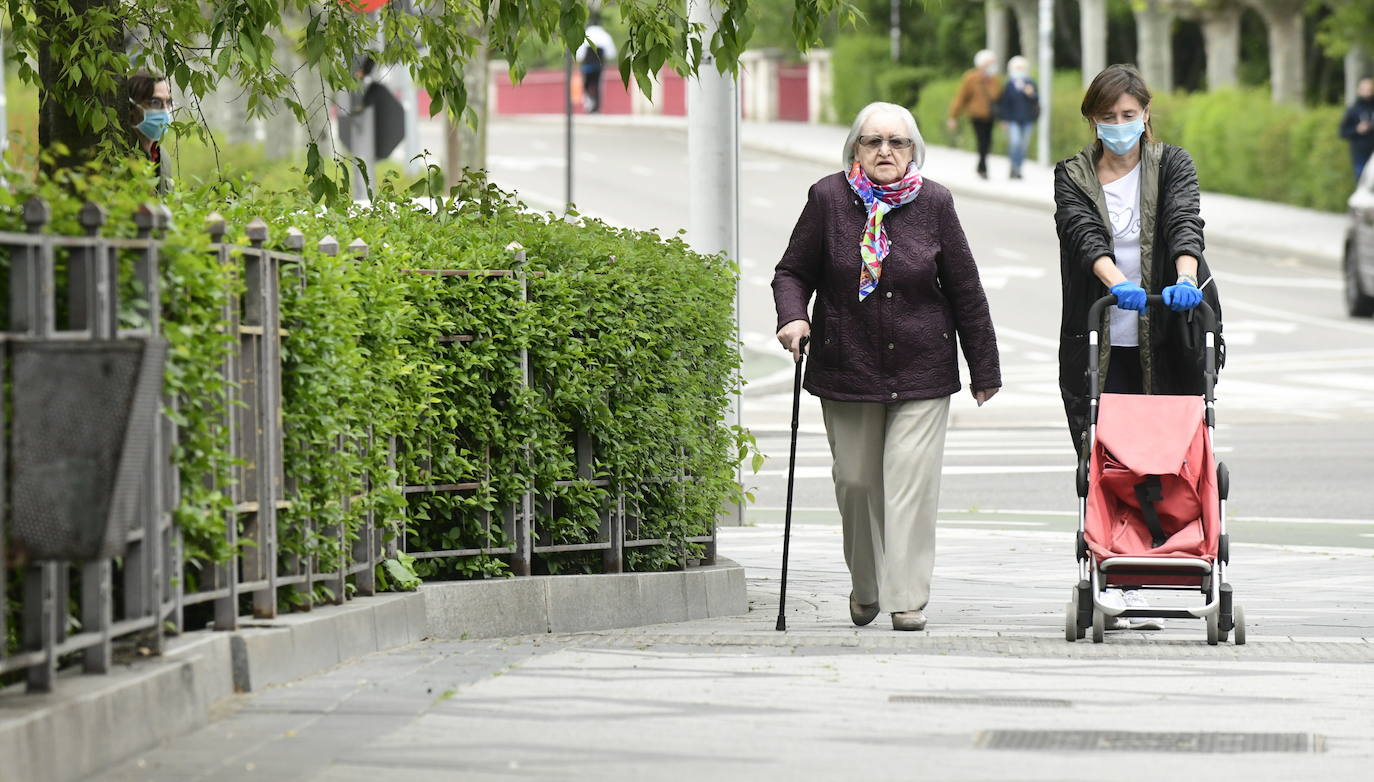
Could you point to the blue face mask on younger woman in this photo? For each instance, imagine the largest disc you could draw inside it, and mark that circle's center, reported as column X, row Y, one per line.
column 1121, row 139
column 154, row 124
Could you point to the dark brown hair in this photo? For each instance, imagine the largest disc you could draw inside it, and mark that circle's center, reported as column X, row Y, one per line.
column 1113, row 82
column 141, row 87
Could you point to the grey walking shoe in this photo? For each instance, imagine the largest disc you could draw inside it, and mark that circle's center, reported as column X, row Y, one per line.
column 909, row 620
column 859, row 613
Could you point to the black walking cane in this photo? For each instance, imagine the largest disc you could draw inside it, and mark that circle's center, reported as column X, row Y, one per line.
column 791, row 476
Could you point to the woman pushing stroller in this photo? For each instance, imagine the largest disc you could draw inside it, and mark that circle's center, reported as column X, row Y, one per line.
column 1126, row 212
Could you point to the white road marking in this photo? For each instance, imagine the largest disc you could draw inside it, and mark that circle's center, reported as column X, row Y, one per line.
column 1011, row 255
column 1301, row 520
column 640, row 171
column 997, row 277
column 995, row 523
column 524, row 162
column 761, row 202
column 1332, row 283
column 756, row 164
column 1335, row 380
column 1270, row 326
column 1026, row 336
column 811, row 471
column 1297, row 317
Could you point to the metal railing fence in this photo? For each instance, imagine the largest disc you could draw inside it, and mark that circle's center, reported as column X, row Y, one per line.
column 83, row 612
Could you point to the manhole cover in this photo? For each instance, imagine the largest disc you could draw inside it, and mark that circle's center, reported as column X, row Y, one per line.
column 1145, row 741
column 982, row 700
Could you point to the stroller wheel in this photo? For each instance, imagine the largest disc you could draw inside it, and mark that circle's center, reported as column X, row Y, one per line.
column 1213, row 629
column 1073, row 631
column 1239, row 614
column 1099, row 625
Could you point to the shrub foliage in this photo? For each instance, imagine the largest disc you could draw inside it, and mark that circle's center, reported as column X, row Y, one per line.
column 629, row 339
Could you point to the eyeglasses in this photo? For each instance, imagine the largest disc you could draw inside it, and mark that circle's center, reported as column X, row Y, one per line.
column 154, row 103
column 876, row 142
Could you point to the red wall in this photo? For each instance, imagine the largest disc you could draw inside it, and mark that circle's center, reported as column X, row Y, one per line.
column 541, row 92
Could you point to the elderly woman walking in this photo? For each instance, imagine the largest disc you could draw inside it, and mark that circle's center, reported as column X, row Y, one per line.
column 882, row 251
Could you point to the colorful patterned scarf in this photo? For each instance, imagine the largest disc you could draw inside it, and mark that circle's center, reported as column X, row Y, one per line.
column 879, row 200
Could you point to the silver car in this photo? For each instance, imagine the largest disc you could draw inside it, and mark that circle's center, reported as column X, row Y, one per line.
column 1359, row 248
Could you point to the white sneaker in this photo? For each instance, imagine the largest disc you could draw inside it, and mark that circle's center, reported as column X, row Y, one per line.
column 1135, row 600
column 1114, row 598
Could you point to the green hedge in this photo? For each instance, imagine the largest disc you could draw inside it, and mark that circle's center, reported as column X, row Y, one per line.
column 862, row 74
column 853, row 74
column 1242, row 142
column 629, row 337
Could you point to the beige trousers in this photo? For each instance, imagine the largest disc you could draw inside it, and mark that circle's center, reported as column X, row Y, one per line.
column 887, row 483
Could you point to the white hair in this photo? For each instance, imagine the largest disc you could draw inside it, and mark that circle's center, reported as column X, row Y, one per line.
column 918, row 151
column 1018, row 62
column 983, row 57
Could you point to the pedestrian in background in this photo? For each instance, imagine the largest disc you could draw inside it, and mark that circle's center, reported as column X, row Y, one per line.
column 976, row 97
column 596, row 49
column 1126, row 211
column 882, row 251
column 150, row 114
column 1357, row 126
column 1018, row 108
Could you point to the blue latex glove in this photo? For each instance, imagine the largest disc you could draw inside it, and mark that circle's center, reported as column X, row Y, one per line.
column 1129, row 296
column 1181, row 297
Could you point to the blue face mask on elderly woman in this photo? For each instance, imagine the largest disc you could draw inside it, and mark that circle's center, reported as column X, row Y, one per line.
column 1121, row 139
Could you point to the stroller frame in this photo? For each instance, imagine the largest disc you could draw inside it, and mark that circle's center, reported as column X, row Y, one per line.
column 1085, row 609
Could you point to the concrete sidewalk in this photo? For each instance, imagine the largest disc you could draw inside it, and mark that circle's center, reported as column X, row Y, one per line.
column 990, row 691
column 1242, row 224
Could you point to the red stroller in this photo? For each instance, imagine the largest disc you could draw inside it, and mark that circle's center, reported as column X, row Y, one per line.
column 1152, row 501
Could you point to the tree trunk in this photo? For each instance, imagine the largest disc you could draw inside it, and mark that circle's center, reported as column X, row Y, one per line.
column 1357, row 66
column 57, row 125
column 1221, row 33
column 1028, row 25
column 1154, row 21
column 1287, row 71
column 997, row 29
column 1092, row 25
column 894, row 30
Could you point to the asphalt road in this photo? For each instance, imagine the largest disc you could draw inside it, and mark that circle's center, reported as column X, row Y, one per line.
column 1295, row 404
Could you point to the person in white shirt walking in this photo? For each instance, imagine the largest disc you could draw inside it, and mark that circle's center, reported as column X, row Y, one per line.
column 1126, row 211
column 596, row 50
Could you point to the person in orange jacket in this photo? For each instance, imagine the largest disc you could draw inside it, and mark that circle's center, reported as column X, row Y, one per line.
column 976, row 97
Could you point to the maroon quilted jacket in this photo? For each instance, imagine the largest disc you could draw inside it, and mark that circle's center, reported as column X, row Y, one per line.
column 899, row 343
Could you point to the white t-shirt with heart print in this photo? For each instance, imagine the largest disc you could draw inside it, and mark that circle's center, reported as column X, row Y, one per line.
column 1123, row 204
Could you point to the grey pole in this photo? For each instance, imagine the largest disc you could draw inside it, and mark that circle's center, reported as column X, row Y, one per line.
column 364, row 143
column 567, row 131
column 1046, row 67
column 410, row 101
column 713, row 168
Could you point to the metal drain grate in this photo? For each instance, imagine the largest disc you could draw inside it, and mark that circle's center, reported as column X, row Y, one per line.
column 982, row 700
column 1145, row 741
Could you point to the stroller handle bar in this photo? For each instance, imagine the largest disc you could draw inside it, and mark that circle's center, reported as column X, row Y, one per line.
column 1209, row 365
column 1099, row 308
